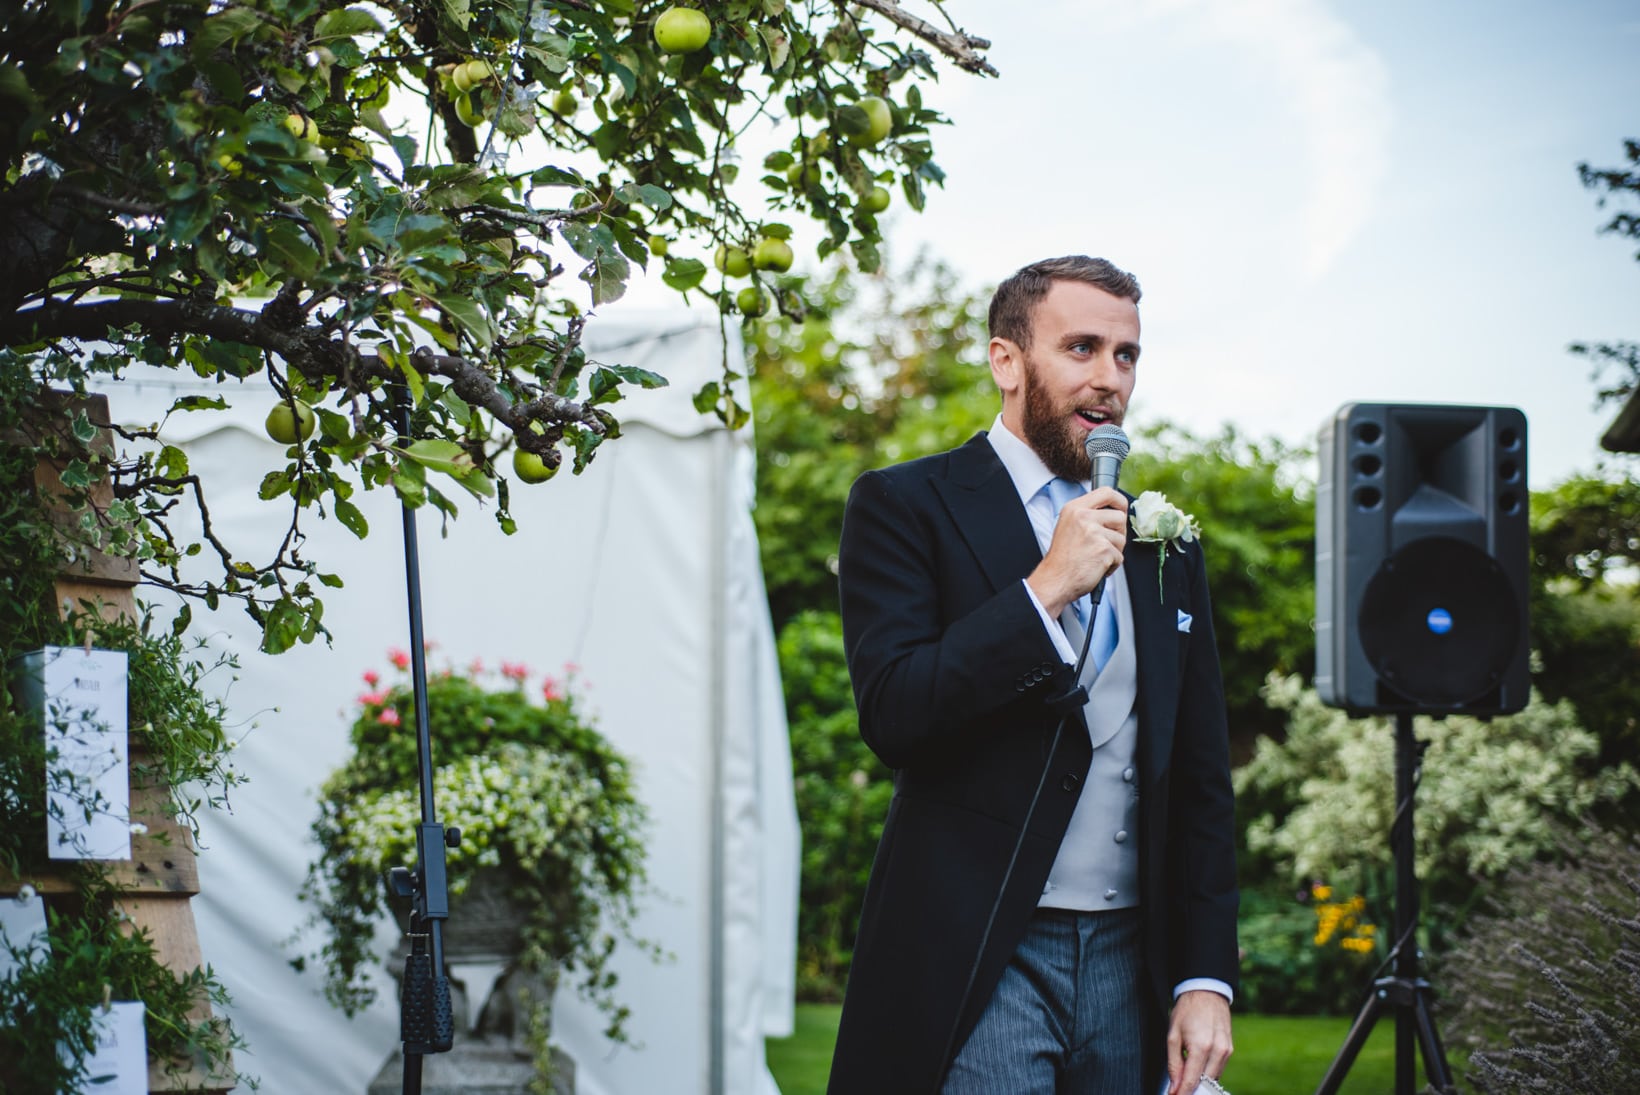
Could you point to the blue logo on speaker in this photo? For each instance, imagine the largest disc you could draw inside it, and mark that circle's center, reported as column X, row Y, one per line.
column 1439, row 621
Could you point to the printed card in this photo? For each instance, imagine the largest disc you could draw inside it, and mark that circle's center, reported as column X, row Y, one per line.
column 80, row 697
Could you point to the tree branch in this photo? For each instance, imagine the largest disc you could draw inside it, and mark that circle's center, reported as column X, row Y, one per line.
column 960, row 46
column 307, row 349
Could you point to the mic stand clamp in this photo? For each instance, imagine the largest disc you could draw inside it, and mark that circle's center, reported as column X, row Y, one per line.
column 426, row 1018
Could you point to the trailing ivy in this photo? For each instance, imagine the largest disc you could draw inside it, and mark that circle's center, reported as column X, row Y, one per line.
column 47, row 1007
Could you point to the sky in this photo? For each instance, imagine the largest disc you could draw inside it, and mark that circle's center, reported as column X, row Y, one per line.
column 1324, row 202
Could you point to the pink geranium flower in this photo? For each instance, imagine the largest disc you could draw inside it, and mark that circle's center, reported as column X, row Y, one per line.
column 372, row 678
column 515, row 671
column 400, row 658
column 389, row 716
column 550, row 690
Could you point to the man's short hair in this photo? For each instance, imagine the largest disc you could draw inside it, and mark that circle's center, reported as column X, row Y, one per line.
column 1015, row 298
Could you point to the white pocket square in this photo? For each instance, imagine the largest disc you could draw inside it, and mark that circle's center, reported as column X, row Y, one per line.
column 1184, row 621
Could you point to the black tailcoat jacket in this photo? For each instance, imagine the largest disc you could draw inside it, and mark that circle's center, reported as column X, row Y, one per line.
column 953, row 674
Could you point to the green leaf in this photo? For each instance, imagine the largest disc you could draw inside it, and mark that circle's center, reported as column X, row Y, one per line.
column 440, row 455
column 646, row 194
column 345, row 23
column 607, row 275
column 199, row 403
column 457, row 12
column 778, row 43
column 706, row 400
column 273, row 485
column 470, row 316
column 77, row 475
column 84, row 431
column 220, row 29
column 288, row 245
column 683, row 274
column 460, row 412
column 405, row 148
column 557, row 176
column 14, row 85
column 604, row 386
column 282, row 626
column 172, row 462
column 348, row 514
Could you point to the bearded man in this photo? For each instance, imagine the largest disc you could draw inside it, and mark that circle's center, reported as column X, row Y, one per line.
column 1052, row 907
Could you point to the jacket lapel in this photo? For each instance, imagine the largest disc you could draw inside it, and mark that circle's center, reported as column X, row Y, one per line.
column 985, row 509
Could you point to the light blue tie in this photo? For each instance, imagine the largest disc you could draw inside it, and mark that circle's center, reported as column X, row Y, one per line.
column 1061, row 491
column 1103, row 645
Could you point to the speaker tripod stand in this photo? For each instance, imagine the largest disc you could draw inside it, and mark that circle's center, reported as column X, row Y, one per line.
column 1404, row 990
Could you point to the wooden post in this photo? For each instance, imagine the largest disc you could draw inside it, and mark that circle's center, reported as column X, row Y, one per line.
column 156, row 885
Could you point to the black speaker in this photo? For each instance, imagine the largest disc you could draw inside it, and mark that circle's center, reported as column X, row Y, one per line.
column 1421, row 556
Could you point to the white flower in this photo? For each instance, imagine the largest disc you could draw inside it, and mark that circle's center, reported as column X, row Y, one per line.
column 1158, row 521
column 1155, row 518
column 138, row 828
column 25, row 892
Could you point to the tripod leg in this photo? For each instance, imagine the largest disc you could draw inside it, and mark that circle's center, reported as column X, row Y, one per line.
column 1357, row 1037
column 1435, row 1066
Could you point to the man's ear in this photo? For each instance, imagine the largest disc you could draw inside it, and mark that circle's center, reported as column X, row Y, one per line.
column 1007, row 365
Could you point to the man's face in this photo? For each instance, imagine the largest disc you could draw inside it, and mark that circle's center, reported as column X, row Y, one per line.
column 1077, row 374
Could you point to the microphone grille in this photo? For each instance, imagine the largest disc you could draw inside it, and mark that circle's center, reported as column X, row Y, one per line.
column 1107, row 440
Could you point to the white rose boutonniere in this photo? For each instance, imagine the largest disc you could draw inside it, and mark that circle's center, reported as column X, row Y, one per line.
column 1158, row 521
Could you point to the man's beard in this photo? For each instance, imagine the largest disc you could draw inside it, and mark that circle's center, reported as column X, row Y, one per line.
column 1052, row 435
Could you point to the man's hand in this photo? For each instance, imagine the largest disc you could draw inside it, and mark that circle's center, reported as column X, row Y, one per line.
column 1087, row 545
column 1198, row 1040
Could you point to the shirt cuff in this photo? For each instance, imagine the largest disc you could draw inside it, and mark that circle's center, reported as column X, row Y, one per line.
column 1208, row 984
column 1056, row 632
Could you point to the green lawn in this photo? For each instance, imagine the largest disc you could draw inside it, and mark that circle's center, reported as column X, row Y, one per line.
column 1275, row 1055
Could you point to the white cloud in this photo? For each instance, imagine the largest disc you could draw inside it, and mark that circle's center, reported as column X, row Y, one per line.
column 1334, row 86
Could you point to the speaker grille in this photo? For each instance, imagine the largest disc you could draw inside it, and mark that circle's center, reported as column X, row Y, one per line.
column 1439, row 622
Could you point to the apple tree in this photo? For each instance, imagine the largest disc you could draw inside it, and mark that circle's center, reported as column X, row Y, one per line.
column 421, row 200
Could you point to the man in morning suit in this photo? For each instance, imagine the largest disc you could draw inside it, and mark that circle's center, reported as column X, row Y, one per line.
column 1112, row 951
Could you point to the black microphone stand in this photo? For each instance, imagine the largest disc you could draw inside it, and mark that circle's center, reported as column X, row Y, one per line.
column 426, row 1022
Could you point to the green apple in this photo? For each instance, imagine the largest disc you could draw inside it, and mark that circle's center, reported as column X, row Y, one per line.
column 877, row 200
column 658, row 246
column 295, row 124
column 880, row 120
column 531, row 468
column 752, row 301
column 564, row 103
column 469, row 74
column 802, row 175
column 682, row 30
column 733, row 261
column 288, row 426
column 772, row 254
column 468, row 113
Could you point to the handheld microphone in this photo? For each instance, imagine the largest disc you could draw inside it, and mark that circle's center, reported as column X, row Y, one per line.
column 1107, row 447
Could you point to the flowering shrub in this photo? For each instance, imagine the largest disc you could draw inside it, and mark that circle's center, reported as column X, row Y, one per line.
column 1304, row 953
column 538, row 795
column 1342, row 923
column 1491, row 791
